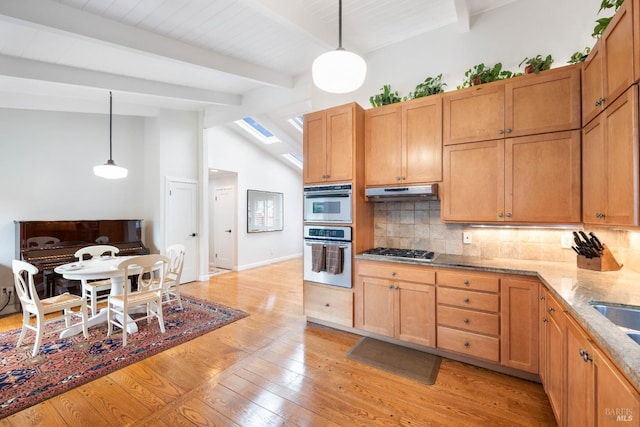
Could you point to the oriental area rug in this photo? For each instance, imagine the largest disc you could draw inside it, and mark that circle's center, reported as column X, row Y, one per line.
column 62, row 364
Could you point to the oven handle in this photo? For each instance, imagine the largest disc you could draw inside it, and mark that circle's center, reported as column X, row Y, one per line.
column 320, row 196
column 341, row 247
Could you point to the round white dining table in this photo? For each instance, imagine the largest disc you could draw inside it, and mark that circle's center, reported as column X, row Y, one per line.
column 96, row 269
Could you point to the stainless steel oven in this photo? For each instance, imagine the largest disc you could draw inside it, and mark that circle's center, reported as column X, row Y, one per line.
column 328, row 203
column 324, row 237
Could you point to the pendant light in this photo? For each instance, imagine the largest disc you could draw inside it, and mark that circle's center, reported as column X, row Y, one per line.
column 339, row 71
column 110, row 170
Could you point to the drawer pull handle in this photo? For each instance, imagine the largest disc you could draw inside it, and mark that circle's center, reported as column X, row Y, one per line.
column 585, row 355
column 466, row 344
column 393, row 273
column 466, row 300
column 466, row 320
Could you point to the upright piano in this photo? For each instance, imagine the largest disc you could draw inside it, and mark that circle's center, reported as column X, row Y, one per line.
column 48, row 244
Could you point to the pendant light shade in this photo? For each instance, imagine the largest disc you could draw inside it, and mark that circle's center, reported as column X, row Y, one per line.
column 110, row 170
column 339, row 71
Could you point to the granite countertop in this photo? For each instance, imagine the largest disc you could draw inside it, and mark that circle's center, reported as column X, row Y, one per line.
column 575, row 287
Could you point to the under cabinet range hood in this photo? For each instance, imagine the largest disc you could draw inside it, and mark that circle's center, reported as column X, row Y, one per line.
column 413, row 193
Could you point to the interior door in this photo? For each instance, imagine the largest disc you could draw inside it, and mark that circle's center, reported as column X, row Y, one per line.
column 224, row 232
column 181, row 224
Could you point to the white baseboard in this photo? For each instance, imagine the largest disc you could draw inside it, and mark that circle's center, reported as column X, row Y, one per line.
column 266, row 262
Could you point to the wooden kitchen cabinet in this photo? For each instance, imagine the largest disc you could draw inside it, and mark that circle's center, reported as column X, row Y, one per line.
column 610, row 164
column 526, row 105
column 468, row 314
column 553, row 352
column 397, row 301
column 532, row 179
column 519, row 324
column 330, row 138
column 613, row 64
column 328, row 303
column 403, row 143
column 597, row 393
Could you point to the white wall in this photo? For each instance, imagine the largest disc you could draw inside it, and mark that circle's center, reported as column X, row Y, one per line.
column 258, row 171
column 507, row 34
column 46, row 170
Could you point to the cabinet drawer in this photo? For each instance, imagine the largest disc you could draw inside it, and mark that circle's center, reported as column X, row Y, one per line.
column 468, row 280
column 394, row 271
column 474, row 321
column 474, row 345
column 328, row 303
column 468, row 299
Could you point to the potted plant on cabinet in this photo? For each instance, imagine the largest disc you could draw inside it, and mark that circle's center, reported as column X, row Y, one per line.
column 536, row 64
column 601, row 24
column 430, row 86
column 481, row 73
column 385, row 97
column 579, row 56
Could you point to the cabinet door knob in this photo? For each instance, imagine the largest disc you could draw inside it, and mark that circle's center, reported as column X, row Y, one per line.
column 397, row 178
column 326, row 305
column 508, row 130
column 466, row 344
column 466, row 300
column 508, row 214
column 465, row 320
column 403, row 178
column 551, row 309
column 500, row 215
column 393, row 273
column 466, row 282
column 396, row 287
column 545, row 320
column 585, row 355
column 501, row 131
column 542, row 297
column 390, row 286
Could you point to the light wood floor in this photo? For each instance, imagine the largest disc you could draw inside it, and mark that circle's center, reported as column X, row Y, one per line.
column 272, row 368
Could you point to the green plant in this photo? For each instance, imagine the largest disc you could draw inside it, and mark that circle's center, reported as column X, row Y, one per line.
column 430, row 86
column 537, row 63
column 579, row 56
column 385, row 97
column 601, row 23
column 481, row 73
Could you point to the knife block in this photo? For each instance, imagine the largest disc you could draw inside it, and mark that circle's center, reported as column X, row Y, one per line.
column 605, row 262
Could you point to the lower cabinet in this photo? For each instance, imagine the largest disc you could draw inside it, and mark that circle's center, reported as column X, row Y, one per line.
column 553, row 351
column 597, row 393
column 328, row 303
column 396, row 300
column 519, row 322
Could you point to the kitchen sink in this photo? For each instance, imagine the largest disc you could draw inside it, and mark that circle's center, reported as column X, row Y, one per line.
column 627, row 317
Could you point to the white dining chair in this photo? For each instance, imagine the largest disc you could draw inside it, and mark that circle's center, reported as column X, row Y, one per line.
column 147, row 268
column 91, row 289
column 33, row 306
column 171, row 288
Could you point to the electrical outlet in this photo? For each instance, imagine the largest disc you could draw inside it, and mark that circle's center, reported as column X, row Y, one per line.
column 566, row 241
column 466, row 238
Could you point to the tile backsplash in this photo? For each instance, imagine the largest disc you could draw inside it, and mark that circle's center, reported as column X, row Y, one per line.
column 417, row 225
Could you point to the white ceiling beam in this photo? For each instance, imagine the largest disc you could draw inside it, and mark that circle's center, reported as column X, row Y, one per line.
column 462, row 12
column 43, row 71
column 74, row 21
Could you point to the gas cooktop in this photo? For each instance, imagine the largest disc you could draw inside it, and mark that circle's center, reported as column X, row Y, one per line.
column 416, row 254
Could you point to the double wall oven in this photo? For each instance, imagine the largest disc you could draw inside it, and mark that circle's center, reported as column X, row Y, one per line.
column 327, row 213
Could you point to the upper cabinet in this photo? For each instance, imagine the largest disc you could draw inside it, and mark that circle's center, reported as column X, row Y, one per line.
column 613, row 64
column 403, row 143
column 330, row 138
column 610, row 164
column 526, row 105
column 530, row 179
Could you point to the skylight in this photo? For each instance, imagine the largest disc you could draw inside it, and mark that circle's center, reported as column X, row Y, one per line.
column 258, row 131
column 297, row 122
column 294, row 158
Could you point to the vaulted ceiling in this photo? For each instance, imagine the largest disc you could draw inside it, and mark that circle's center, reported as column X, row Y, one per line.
column 192, row 54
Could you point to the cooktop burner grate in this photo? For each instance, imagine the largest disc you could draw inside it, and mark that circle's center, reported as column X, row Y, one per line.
column 402, row 253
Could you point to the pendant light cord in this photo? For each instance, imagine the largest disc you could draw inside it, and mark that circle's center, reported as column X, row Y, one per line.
column 110, row 125
column 340, row 25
